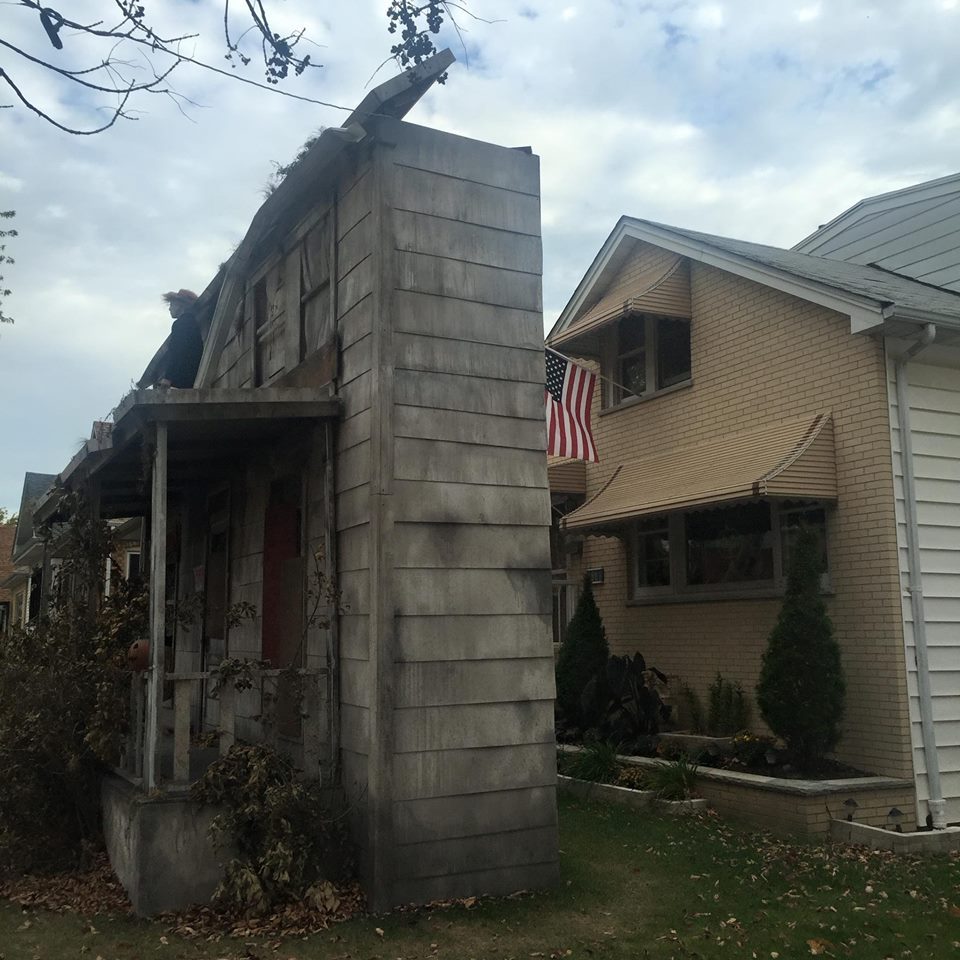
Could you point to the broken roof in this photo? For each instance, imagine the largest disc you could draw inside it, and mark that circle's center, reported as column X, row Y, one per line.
column 392, row 99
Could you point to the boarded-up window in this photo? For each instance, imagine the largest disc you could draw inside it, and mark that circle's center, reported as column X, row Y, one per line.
column 268, row 325
column 316, row 316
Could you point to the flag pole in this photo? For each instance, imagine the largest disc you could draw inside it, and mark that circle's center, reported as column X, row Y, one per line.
column 599, row 376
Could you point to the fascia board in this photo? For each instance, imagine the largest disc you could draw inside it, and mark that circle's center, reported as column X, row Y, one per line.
column 924, row 317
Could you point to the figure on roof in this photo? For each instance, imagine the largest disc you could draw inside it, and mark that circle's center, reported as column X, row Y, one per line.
column 184, row 345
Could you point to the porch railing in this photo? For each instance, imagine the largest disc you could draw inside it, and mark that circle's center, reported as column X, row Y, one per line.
column 190, row 688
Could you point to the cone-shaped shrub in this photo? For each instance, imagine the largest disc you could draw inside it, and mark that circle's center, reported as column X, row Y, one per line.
column 583, row 654
column 801, row 688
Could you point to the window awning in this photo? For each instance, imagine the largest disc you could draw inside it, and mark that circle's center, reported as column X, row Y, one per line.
column 566, row 476
column 662, row 287
column 790, row 458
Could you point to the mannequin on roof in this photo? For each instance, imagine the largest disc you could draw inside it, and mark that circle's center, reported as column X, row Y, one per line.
column 184, row 346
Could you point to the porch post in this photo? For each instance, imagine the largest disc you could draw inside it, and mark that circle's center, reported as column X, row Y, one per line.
column 158, row 594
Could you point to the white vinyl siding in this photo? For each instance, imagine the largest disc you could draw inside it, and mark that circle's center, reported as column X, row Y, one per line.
column 934, row 393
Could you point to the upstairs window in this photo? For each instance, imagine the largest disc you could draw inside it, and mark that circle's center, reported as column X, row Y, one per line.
column 646, row 354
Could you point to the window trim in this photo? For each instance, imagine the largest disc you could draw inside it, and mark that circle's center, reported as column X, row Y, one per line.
column 612, row 358
column 679, row 591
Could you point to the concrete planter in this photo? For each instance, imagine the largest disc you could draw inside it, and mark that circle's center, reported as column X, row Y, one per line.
column 625, row 796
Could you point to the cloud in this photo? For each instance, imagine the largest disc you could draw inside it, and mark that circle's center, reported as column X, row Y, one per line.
column 759, row 121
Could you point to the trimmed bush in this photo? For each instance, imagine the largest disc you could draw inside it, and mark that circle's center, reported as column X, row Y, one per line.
column 729, row 711
column 583, row 654
column 801, row 689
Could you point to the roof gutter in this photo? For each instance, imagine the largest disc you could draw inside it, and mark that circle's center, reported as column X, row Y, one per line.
column 935, row 802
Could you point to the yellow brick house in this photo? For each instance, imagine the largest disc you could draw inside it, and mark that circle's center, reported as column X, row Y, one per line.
column 748, row 390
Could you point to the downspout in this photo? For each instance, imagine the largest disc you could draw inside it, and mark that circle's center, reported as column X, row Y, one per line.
column 915, row 580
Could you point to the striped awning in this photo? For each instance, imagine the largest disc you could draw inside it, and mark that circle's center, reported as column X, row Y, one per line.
column 790, row 458
column 661, row 287
column 567, row 476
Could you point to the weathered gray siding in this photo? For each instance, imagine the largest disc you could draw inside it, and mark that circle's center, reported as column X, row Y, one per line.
column 355, row 311
column 442, row 506
column 442, row 514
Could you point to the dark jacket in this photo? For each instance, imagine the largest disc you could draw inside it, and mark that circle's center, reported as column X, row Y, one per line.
column 184, row 349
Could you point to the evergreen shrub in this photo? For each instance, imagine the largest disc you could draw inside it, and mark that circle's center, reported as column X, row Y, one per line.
column 583, row 654
column 801, row 689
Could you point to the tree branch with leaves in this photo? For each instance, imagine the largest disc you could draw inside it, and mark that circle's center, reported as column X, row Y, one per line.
column 5, row 259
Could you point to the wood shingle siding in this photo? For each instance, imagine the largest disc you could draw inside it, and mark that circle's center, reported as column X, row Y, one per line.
column 465, row 555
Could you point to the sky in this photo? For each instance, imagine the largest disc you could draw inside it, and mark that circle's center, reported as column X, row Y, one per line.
column 753, row 120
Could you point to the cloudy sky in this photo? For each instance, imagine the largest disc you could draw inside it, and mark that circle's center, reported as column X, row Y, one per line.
column 754, row 120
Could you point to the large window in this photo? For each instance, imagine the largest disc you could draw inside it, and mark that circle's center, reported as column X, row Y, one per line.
column 739, row 549
column 647, row 354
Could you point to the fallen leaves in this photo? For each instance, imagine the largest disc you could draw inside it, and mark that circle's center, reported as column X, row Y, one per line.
column 328, row 905
column 91, row 892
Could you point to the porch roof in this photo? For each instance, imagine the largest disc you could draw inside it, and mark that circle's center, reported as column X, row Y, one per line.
column 789, row 458
column 209, row 431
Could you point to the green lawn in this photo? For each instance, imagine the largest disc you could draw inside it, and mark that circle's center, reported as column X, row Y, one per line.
column 633, row 885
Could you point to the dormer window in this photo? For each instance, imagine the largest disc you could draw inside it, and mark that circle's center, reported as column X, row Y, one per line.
column 646, row 354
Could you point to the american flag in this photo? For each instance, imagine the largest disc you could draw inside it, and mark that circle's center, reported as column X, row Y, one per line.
column 569, row 396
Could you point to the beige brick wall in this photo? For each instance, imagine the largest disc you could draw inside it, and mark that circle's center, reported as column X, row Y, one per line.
column 760, row 356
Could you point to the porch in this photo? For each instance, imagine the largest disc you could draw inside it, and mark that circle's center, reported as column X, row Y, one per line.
column 234, row 492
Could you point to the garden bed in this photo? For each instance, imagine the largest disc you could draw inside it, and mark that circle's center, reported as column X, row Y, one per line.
column 793, row 805
column 627, row 797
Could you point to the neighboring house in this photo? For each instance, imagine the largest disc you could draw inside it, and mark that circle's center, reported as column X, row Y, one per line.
column 28, row 566
column 914, row 232
column 28, row 580
column 368, row 409
column 7, row 533
column 751, row 389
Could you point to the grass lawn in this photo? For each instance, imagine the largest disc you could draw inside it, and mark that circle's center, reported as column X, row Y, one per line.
column 633, row 885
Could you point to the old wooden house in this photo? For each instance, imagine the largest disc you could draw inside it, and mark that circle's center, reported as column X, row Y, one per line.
column 367, row 418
